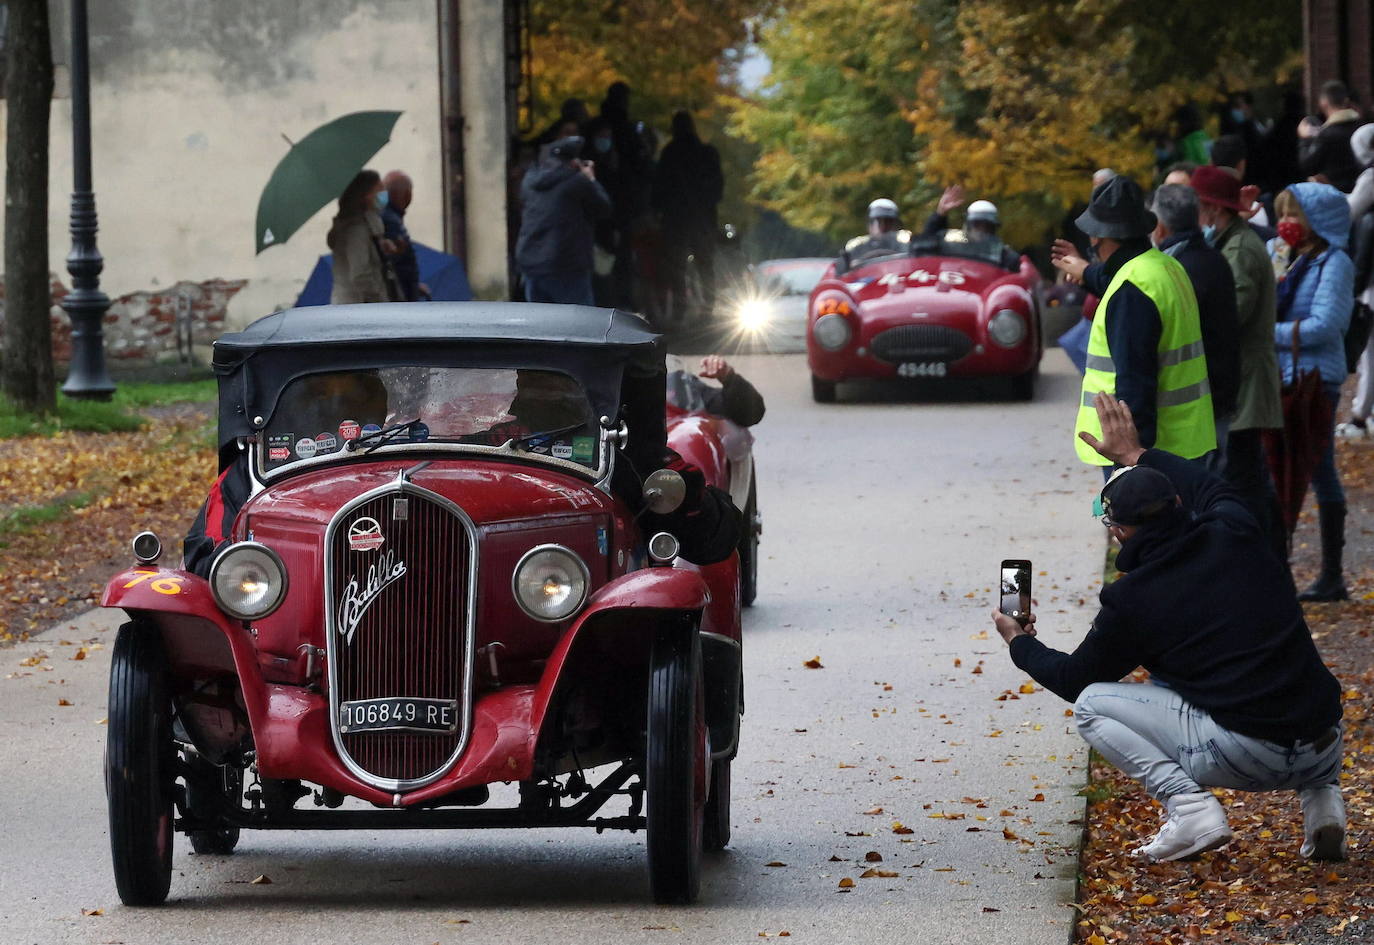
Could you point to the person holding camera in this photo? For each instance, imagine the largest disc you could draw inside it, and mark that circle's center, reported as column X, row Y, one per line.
column 562, row 204
column 1238, row 695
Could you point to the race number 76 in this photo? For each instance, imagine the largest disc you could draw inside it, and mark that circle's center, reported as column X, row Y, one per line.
column 168, row 584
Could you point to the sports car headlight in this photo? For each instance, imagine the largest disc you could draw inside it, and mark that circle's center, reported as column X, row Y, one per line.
column 832, row 332
column 248, row 580
column 752, row 314
column 550, row 583
column 1007, row 328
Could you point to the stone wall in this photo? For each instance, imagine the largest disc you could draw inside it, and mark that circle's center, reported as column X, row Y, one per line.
column 141, row 327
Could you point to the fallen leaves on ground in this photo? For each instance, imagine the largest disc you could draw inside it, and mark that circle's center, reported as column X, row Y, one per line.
column 813, row 663
column 1258, row 888
column 91, row 493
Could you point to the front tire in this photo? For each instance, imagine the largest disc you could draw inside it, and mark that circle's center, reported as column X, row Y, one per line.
column 716, row 833
column 749, row 545
column 1023, row 385
column 210, row 789
column 675, row 765
column 822, row 391
column 139, row 767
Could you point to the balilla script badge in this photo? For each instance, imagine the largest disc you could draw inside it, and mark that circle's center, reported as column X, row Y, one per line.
column 365, row 534
column 385, row 571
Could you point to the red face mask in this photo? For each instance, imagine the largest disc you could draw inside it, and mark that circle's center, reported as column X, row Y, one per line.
column 1292, row 232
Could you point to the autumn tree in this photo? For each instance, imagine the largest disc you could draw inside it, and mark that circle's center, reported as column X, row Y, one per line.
column 1018, row 101
column 28, row 368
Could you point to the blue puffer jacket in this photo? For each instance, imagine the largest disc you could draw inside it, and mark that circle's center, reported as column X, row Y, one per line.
column 1325, row 295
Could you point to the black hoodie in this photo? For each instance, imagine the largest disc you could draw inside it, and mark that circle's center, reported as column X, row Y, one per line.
column 561, row 207
column 1210, row 611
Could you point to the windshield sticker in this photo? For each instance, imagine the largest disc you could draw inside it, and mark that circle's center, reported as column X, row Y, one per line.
column 365, row 534
column 326, row 443
column 385, row 572
column 370, row 428
column 349, row 430
column 582, row 449
column 562, row 450
column 279, row 447
column 602, row 545
column 305, row 447
column 419, row 432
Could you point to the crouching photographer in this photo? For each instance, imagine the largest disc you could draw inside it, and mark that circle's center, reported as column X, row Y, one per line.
column 1238, row 697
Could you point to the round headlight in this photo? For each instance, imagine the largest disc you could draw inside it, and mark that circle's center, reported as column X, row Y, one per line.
column 832, row 332
column 753, row 314
column 1007, row 328
column 248, row 580
column 550, row 583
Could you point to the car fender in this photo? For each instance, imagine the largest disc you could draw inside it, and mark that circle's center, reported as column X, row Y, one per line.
column 194, row 630
column 658, row 593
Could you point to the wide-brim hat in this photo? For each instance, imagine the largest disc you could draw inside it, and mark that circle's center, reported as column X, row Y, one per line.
column 1217, row 185
column 1117, row 211
column 1136, row 495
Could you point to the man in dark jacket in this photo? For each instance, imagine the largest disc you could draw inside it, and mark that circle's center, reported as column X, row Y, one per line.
column 1324, row 150
column 562, row 203
column 735, row 399
column 1177, row 234
column 688, row 185
column 1239, row 696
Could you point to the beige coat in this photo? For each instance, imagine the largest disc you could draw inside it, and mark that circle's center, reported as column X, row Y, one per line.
column 1257, row 403
column 358, row 275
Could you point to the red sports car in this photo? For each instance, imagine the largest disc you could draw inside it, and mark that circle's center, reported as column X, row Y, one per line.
column 931, row 307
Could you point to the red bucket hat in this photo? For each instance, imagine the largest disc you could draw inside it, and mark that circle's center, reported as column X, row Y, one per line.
column 1217, row 185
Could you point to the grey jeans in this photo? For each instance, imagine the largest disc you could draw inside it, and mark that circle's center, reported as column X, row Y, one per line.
column 1171, row 747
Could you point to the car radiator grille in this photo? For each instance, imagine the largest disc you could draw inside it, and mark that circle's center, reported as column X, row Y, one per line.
column 921, row 343
column 400, row 627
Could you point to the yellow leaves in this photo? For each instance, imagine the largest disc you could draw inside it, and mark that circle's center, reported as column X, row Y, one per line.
column 846, row 883
column 1026, row 688
column 900, row 828
column 1234, row 916
column 1096, row 939
column 1147, row 900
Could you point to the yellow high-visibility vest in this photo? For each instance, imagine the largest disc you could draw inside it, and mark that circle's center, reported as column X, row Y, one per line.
column 1184, row 424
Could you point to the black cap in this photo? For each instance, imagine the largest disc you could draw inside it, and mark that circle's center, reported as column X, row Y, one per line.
column 1137, row 495
column 566, row 148
column 1117, row 211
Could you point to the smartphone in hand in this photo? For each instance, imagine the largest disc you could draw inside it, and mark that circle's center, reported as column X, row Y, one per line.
column 1015, row 584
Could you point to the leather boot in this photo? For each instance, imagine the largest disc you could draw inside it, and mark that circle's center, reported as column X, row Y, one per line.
column 1330, row 584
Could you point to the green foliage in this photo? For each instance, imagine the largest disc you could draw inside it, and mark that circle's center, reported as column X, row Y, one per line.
column 26, row 518
column 1018, row 101
column 164, row 394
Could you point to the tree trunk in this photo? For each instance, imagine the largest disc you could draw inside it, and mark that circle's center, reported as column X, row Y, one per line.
column 27, row 376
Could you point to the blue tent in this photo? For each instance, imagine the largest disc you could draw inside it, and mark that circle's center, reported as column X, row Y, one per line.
column 444, row 274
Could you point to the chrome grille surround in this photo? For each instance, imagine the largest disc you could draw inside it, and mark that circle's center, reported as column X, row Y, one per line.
column 465, row 649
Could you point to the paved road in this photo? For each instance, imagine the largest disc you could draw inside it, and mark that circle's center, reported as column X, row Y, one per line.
column 885, row 523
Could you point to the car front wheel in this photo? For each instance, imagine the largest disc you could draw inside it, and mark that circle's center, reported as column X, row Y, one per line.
column 676, row 763
column 1023, row 385
column 822, row 391
column 139, row 767
column 749, row 545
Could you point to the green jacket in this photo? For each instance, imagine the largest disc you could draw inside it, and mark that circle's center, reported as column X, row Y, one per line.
column 1257, row 404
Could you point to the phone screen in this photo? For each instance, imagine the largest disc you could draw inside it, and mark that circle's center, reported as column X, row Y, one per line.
column 1015, row 583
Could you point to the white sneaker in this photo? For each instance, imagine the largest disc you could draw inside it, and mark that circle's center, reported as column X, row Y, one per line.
column 1352, row 430
column 1196, row 823
column 1323, row 823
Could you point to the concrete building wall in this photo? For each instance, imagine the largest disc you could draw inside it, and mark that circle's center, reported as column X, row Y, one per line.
column 189, row 105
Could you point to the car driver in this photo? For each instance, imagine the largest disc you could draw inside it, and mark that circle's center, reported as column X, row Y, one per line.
column 885, row 235
column 981, row 222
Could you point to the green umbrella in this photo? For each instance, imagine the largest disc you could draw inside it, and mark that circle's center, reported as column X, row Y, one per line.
column 316, row 170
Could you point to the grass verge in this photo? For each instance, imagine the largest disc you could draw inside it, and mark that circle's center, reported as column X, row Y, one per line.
column 118, row 415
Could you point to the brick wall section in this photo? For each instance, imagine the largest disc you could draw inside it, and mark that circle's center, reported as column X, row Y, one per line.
column 140, row 328
column 1338, row 37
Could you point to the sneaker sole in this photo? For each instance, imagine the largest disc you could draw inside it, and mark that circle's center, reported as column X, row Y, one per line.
column 1328, row 843
column 1208, row 841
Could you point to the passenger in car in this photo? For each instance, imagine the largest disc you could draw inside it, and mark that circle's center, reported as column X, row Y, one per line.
column 735, row 399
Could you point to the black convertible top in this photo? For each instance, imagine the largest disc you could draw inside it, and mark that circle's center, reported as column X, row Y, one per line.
column 459, row 322
column 596, row 346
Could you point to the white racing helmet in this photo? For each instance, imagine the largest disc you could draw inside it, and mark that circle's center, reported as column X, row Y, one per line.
column 882, row 209
column 982, row 211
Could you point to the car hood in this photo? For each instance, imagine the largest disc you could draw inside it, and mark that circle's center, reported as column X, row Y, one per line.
column 489, row 492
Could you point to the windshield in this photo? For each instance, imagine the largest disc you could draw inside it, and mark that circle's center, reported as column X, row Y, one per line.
column 982, row 247
column 791, row 277
column 340, row 412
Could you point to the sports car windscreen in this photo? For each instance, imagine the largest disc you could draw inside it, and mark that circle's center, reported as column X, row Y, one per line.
column 343, row 412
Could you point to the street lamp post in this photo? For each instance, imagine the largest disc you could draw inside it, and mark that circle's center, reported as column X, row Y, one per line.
column 85, row 305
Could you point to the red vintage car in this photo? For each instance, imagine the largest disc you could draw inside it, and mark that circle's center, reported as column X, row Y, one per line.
column 452, row 598
column 928, row 307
